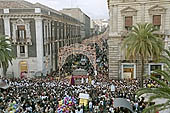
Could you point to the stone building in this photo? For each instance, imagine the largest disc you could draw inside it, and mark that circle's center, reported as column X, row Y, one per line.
column 125, row 13
column 37, row 32
column 94, row 28
column 82, row 17
column 102, row 23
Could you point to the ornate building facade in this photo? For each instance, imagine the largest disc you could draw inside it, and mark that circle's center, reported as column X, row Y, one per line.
column 37, row 32
column 123, row 15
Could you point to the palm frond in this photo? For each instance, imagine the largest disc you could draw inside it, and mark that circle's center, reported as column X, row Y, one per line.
column 6, row 52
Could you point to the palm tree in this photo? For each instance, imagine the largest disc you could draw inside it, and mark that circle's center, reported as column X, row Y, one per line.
column 6, row 53
column 142, row 43
column 162, row 92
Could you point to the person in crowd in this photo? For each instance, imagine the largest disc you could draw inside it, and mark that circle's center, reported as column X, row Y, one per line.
column 42, row 95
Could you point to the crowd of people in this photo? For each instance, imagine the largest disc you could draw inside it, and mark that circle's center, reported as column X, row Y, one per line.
column 43, row 96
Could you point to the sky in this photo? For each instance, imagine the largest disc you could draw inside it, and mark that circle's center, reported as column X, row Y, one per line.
column 95, row 9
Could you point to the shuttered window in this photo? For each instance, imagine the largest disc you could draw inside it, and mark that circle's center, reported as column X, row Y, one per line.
column 157, row 20
column 128, row 21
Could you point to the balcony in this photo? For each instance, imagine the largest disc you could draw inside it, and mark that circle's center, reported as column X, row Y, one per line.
column 26, row 41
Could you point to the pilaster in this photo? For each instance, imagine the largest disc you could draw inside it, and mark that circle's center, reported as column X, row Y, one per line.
column 7, row 26
column 39, row 43
column 113, row 21
column 143, row 12
column 115, row 18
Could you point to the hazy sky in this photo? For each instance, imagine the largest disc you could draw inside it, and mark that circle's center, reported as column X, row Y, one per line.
column 96, row 9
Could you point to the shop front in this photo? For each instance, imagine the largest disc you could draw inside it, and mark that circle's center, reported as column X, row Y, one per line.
column 153, row 67
column 128, row 71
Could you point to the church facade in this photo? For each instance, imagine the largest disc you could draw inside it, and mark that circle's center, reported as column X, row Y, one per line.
column 123, row 15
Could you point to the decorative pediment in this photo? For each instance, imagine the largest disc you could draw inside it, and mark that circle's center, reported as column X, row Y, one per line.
column 157, row 10
column 129, row 11
column 20, row 21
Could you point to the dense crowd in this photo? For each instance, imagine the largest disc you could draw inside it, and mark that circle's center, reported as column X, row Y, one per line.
column 43, row 96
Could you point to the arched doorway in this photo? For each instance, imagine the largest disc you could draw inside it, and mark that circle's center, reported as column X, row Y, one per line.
column 87, row 51
column 76, row 62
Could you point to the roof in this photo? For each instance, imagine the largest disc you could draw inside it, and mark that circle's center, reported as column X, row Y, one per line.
column 15, row 4
column 72, row 9
column 46, row 7
column 22, row 4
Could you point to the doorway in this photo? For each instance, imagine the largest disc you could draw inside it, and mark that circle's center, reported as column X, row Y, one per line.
column 23, row 66
column 128, row 71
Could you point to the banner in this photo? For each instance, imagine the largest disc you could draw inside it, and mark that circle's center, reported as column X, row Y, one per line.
column 83, row 96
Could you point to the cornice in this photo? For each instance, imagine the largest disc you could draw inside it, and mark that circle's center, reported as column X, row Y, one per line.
column 112, row 3
column 19, row 15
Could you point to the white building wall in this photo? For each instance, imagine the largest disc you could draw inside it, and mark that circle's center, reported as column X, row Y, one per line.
column 14, row 69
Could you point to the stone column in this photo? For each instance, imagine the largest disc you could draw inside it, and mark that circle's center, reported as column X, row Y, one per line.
column 39, row 43
column 7, row 26
column 53, row 59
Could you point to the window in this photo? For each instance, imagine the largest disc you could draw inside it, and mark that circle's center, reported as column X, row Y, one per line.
column 128, row 70
column 46, row 33
column 58, row 31
column 22, row 49
column 60, row 44
column 21, row 32
column 44, row 49
column 128, row 22
column 154, row 67
column 157, row 21
column 48, row 49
